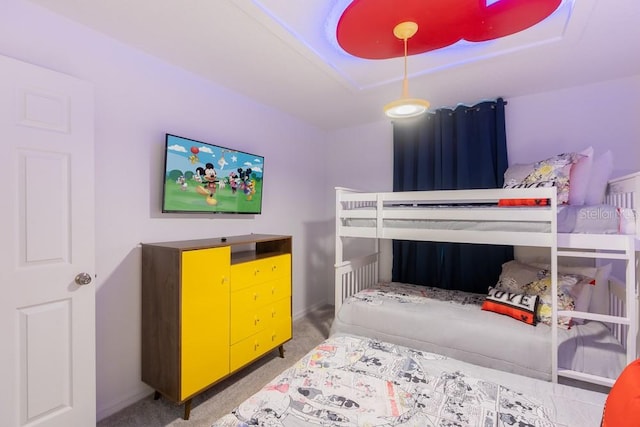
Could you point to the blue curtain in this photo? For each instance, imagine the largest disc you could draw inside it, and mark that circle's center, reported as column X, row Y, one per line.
column 461, row 148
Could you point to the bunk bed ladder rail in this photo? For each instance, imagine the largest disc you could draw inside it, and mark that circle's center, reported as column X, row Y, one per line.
column 622, row 193
column 617, row 308
column 622, row 319
column 623, row 304
column 622, row 315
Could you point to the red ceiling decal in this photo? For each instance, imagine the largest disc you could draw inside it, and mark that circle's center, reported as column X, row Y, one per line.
column 365, row 28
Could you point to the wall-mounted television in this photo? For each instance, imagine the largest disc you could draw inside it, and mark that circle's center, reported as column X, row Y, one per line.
column 205, row 178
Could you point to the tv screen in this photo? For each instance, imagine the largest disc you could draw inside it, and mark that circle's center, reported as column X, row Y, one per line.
column 206, row 178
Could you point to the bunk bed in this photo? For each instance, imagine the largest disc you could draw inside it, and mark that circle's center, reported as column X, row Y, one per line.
column 473, row 216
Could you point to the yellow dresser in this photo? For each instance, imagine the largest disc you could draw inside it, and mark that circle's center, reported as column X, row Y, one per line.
column 211, row 307
column 260, row 307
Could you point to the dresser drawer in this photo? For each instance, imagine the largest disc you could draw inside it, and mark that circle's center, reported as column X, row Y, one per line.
column 261, row 270
column 257, row 345
column 245, row 323
column 261, row 294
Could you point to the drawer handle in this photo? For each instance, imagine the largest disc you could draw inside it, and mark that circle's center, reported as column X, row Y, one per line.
column 255, row 273
column 256, row 345
column 273, row 313
column 274, row 268
column 256, row 296
column 256, row 321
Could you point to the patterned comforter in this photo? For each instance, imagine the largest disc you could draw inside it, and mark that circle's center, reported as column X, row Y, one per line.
column 414, row 294
column 356, row 381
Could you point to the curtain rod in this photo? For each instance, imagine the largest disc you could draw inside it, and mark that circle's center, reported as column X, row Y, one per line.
column 470, row 107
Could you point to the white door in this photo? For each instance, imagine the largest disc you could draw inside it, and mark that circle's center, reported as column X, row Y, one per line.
column 47, row 319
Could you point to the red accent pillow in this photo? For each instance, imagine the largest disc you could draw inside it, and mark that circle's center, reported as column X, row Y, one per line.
column 523, row 202
column 622, row 407
column 521, row 307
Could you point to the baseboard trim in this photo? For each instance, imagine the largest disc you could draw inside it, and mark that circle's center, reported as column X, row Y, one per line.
column 114, row 407
column 108, row 410
column 309, row 309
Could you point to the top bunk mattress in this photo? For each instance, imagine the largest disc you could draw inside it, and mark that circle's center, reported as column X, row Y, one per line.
column 595, row 219
column 452, row 323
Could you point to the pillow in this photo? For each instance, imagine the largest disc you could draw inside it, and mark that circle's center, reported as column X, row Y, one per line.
column 601, row 170
column 555, row 171
column 523, row 202
column 622, row 407
column 515, row 275
column 599, row 298
column 570, row 287
column 579, row 178
column 586, row 274
column 627, row 224
column 526, row 202
column 519, row 306
column 516, row 173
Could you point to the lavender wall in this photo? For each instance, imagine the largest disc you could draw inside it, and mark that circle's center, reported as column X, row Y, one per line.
column 138, row 99
column 602, row 115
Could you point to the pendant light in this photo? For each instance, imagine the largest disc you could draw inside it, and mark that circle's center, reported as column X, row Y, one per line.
column 405, row 106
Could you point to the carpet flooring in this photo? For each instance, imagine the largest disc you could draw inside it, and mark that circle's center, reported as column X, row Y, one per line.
column 220, row 399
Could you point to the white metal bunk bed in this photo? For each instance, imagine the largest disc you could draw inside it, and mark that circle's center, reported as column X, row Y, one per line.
column 403, row 215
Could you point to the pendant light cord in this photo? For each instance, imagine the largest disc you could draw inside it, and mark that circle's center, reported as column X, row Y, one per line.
column 405, row 81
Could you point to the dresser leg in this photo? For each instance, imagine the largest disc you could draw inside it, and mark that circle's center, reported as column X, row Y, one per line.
column 281, row 350
column 187, row 409
column 156, row 395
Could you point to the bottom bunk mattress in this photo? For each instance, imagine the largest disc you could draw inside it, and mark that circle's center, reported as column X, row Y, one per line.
column 358, row 381
column 453, row 324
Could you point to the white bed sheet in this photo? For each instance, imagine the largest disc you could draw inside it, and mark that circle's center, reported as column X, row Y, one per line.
column 596, row 219
column 454, row 325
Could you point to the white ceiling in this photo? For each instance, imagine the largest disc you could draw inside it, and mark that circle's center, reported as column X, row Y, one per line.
column 283, row 53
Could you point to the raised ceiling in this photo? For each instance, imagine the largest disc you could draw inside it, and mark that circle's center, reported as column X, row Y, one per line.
column 286, row 54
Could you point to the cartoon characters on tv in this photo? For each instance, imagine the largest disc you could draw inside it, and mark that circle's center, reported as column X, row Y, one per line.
column 193, row 158
column 207, row 182
column 247, row 185
column 209, row 179
column 234, row 182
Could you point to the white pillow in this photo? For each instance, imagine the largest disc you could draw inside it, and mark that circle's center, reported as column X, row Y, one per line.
column 579, row 178
column 600, row 298
column 601, row 170
column 516, row 173
column 515, row 275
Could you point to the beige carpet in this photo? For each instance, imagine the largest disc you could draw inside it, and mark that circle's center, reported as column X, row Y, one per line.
column 224, row 396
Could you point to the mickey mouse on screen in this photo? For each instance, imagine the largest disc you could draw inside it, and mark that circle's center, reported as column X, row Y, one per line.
column 209, row 179
column 247, row 184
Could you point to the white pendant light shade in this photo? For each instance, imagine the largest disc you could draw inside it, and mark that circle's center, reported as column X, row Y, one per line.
column 405, row 106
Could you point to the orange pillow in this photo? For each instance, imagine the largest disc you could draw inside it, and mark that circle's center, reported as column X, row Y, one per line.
column 523, row 202
column 519, row 306
column 622, row 407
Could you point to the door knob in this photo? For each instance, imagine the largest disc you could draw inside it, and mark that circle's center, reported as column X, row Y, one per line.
column 83, row 279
